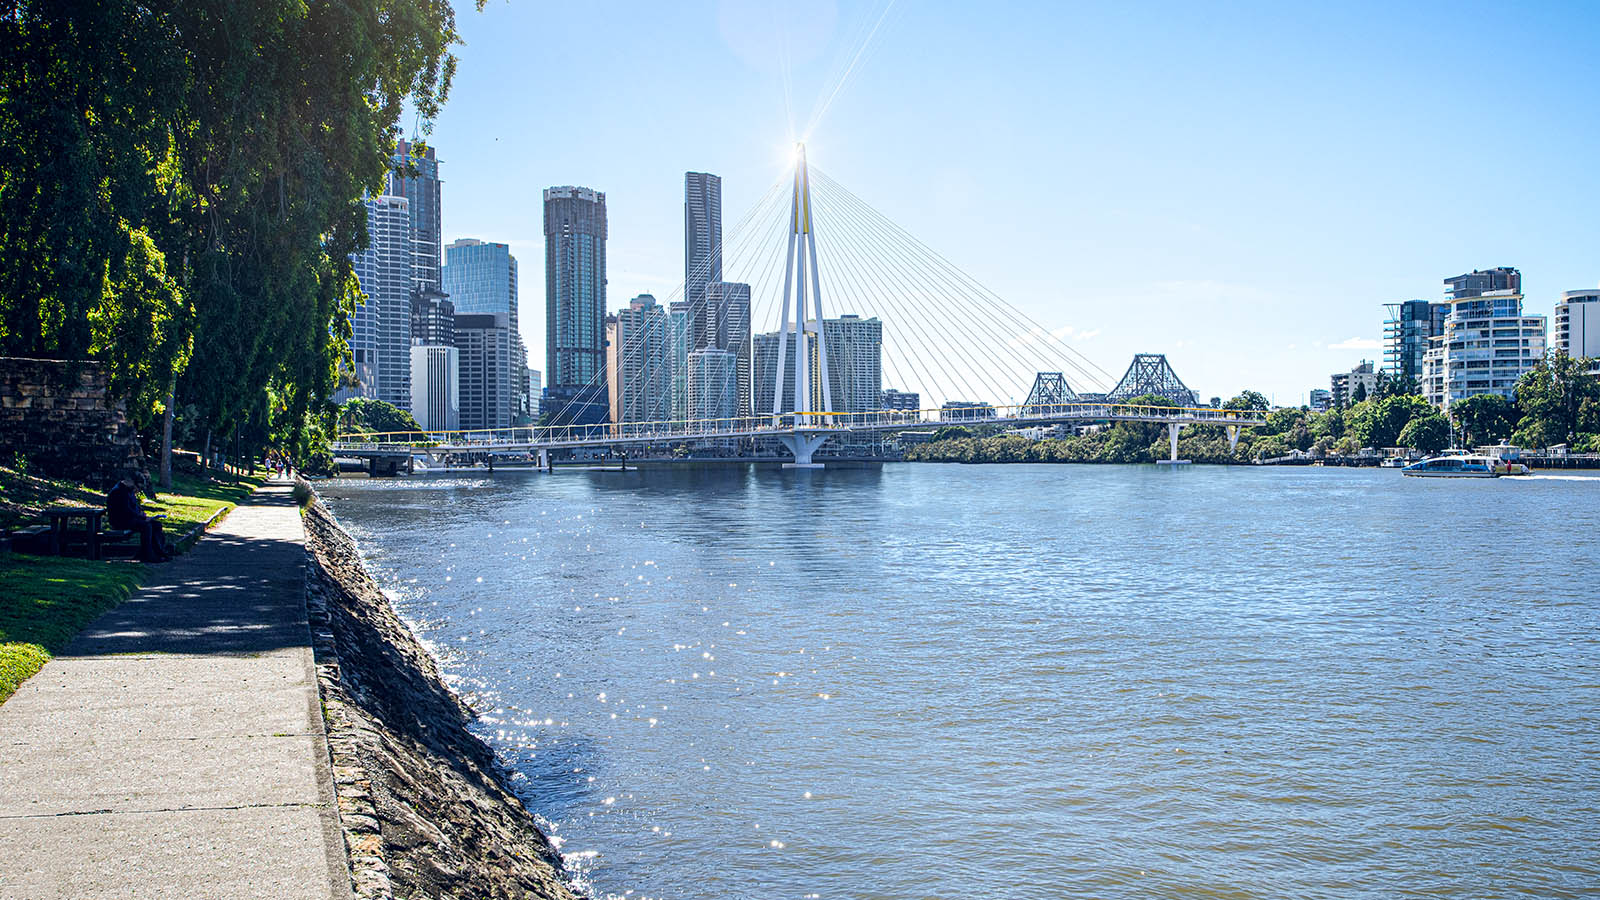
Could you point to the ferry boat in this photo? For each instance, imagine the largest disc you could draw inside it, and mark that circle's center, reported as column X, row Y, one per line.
column 1464, row 465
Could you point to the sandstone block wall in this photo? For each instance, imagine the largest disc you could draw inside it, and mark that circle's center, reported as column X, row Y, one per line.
column 56, row 414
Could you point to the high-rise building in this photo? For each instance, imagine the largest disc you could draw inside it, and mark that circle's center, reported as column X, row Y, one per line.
column 678, row 353
column 1406, row 333
column 436, row 387
column 414, row 175
column 381, row 329
column 722, row 321
column 613, row 372
column 480, row 278
column 644, row 361
column 1577, row 326
column 487, row 393
column 1485, row 345
column 1482, row 281
column 433, row 319
column 855, row 364
column 702, row 234
column 1344, row 384
column 575, row 305
column 764, row 372
column 901, row 401
column 1319, row 400
column 713, row 386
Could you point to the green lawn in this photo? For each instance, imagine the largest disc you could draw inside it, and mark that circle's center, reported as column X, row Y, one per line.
column 46, row 600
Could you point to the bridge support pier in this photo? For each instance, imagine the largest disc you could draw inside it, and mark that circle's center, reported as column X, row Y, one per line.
column 1233, row 437
column 802, row 445
column 1172, row 435
column 544, row 461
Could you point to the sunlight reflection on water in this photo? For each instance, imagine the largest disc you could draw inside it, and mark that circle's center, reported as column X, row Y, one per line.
column 941, row 681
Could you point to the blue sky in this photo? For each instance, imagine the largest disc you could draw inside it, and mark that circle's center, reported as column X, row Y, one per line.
column 1240, row 186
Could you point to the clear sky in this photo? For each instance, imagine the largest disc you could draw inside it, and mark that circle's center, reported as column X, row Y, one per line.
column 1240, row 186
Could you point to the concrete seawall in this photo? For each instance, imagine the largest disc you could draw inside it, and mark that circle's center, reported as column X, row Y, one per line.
column 424, row 808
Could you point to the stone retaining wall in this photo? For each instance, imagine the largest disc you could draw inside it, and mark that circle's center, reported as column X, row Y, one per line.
column 56, row 414
column 426, row 811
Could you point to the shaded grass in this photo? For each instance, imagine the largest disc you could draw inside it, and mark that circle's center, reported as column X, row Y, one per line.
column 46, row 601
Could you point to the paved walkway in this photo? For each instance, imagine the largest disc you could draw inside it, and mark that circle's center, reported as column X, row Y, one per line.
column 176, row 748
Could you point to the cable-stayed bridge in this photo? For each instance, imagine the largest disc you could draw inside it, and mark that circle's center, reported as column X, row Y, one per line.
column 941, row 332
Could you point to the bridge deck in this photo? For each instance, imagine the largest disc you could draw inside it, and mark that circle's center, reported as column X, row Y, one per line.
column 566, row 437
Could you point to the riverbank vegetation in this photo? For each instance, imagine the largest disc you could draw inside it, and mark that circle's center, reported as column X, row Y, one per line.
column 1556, row 403
column 46, row 600
column 182, row 193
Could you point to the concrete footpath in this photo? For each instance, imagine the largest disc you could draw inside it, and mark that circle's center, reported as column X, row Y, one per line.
column 176, row 749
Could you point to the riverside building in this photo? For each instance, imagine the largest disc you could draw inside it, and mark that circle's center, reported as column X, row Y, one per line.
column 1485, row 343
column 575, row 306
column 644, row 361
column 436, row 387
column 722, row 322
column 764, row 356
column 1577, row 326
column 1344, row 384
column 487, row 393
column 1406, row 334
column 713, row 386
column 678, row 353
column 855, row 364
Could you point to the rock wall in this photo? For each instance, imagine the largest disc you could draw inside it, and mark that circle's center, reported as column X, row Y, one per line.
column 57, row 414
column 423, row 804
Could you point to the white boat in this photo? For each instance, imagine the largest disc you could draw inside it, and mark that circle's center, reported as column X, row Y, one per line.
column 1463, row 465
column 1393, row 462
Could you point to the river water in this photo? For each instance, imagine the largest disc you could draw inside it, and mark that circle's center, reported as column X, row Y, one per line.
column 1024, row 681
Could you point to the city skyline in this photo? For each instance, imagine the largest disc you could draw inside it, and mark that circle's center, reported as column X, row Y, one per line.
column 1258, row 213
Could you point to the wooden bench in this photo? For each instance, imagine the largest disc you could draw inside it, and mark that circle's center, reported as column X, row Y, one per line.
column 35, row 539
column 121, row 540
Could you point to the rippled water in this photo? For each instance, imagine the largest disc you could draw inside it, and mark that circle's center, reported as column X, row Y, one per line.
column 1025, row 681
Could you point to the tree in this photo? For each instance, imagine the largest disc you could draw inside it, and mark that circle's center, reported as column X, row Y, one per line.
column 375, row 416
column 1248, row 401
column 1360, row 393
column 1429, row 433
column 1553, row 397
column 1378, row 423
column 180, row 187
column 1483, row 418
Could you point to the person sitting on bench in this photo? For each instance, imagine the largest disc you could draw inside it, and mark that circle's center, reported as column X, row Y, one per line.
column 124, row 511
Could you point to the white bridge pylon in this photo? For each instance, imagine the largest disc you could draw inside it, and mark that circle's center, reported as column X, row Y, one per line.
column 799, row 269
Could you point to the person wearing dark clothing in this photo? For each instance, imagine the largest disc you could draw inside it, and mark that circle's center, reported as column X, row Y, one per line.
column 124, row 511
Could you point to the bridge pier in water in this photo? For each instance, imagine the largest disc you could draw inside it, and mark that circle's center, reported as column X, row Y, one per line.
column 802, row 444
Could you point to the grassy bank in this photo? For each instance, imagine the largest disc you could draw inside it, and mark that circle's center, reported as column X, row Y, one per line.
column 46, row 600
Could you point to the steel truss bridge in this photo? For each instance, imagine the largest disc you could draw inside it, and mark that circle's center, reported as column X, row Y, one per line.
column 976, row 331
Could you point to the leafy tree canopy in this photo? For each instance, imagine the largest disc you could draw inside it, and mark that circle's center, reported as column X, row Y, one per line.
column 1429, row 433
column 180, row 186
column 1249, row 401
column 374, row 416
column 1559, row 400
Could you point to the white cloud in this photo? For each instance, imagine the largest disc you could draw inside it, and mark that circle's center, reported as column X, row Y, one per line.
column 1357, row 343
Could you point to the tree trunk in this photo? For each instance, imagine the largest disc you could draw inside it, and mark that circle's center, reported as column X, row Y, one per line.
column 205, row 454
column 166, row 435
